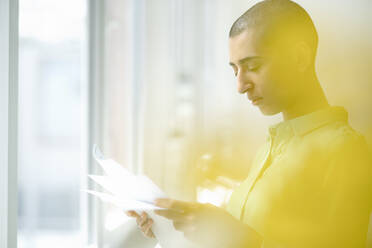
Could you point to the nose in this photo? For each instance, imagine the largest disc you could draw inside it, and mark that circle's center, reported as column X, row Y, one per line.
column 244, row 84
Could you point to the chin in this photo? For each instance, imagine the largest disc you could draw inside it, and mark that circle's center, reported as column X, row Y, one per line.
column 266, row 110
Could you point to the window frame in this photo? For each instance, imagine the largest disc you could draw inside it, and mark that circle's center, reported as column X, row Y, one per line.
column 8, row 125
column 92, row 123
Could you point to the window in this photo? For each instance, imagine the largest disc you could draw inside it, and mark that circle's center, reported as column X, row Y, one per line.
column 149, row 82
column 51, row 66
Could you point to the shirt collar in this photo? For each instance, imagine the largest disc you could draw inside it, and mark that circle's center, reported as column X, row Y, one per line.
column 307, row 123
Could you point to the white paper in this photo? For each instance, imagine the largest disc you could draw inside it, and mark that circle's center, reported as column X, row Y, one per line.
column 123, row 204
column 136, row 192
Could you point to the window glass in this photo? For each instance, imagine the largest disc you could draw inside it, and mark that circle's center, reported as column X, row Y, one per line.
column 51, row 44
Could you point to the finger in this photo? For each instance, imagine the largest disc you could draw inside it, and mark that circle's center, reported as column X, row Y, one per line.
column 174, row 204
column 184, row 226
column 178, row 225
column 170, row 214
column 148, row 225
column 171, row 204
column 150, row 234
column 143, row 218
column 142, row 221
column 132, row 214
column 143, row 215
column 147, row 228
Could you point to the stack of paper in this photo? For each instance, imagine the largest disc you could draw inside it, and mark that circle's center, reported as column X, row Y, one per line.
column 135, row 192
column 127, row 191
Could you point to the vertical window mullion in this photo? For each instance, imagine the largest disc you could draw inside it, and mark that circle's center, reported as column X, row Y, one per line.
column 92, row 218
column 8, row 124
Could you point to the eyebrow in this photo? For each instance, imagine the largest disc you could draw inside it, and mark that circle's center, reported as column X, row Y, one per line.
column 245, row 60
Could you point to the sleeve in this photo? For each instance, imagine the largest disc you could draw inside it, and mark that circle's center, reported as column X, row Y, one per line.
column 347, row 193
column 329, row 206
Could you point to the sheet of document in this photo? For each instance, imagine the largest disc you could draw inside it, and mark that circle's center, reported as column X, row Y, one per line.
column 135, row 192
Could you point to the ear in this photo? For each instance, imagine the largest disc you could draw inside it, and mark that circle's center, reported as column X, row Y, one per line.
column 303, row 56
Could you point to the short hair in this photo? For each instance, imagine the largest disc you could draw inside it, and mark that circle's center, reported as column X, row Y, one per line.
column 277, row 18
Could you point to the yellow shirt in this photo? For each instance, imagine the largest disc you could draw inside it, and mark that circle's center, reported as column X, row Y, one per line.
column 309, row 185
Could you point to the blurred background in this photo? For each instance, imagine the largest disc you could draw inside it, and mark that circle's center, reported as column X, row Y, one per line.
column 149, row 81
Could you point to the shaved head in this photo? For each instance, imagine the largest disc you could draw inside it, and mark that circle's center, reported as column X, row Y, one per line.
column 279, row 22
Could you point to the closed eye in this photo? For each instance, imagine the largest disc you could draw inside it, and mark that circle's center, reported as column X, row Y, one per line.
column 254, row 68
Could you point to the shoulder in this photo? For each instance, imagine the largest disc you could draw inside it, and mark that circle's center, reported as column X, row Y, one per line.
column 337, row 137
column 333, row 151
column 344, row 152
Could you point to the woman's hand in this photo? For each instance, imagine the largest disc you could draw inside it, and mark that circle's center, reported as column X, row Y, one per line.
column 144, row 222
column 207, row 224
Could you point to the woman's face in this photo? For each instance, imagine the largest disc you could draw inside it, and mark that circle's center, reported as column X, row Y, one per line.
column 266, row 74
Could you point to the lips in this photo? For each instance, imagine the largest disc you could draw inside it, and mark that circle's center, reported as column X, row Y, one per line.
column 255, row 100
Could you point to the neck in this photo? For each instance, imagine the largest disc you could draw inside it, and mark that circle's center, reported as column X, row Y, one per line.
column 310, row 99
